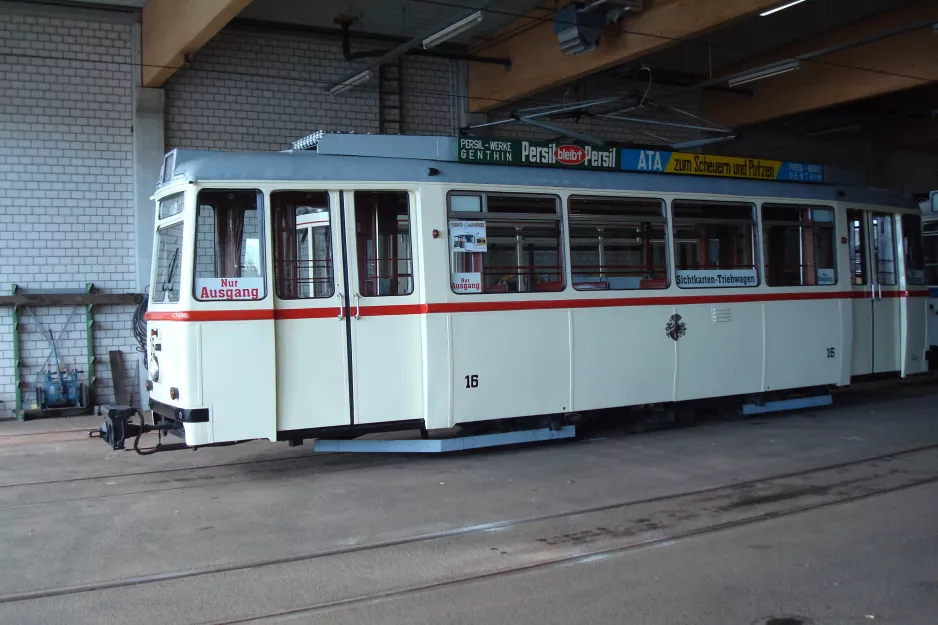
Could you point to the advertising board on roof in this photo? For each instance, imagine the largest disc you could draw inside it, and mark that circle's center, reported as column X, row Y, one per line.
column 570, row 155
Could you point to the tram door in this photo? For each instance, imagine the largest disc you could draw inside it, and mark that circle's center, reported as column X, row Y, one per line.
column 875, row 279
column 386, row 345
column 311, row 310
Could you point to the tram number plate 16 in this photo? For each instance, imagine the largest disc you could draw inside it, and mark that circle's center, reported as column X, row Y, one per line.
column 472, row 381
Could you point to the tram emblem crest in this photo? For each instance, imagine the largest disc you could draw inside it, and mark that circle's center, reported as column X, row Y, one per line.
column 675, row 328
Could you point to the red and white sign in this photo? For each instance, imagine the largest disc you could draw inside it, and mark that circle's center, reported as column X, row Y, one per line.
column 466, row 282
column 569, row 154
column 229, row 289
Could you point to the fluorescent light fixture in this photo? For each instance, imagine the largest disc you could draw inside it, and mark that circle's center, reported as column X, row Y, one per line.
column 453, row 30
column 766, row 71
column 787, row 5
column 348, row 83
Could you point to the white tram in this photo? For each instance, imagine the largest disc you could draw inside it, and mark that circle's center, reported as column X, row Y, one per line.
column 298, row 294
column 930, row 245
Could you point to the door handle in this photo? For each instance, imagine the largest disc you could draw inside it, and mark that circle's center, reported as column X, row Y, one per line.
column 358, row 306
column 880, row 291
column 341, row 307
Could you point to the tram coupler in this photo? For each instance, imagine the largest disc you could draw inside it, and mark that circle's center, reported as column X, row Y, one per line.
column 118, row 426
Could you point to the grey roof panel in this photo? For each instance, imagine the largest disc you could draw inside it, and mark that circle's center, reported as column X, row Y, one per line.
column 195, row 166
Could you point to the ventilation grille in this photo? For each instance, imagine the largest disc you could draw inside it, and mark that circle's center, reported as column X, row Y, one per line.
column 721, row 315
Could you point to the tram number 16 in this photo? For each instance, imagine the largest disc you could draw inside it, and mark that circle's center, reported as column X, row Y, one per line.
column 472, row 381
column 831, row 353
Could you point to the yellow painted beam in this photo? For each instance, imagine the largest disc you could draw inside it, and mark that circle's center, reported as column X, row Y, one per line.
column 538, row 63
column 172, row 29
column 886, row 66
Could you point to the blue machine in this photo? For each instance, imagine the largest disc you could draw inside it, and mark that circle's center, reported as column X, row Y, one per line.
column 60, row 389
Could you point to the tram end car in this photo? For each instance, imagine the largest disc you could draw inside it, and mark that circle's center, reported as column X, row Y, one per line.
column 929, row 209
column 378, row 284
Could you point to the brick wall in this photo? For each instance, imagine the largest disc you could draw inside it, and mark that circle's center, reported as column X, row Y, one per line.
column 66, row 203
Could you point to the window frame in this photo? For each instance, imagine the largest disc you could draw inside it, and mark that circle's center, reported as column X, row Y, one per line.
column 260, row 207
column 875, row 248
column 755, row 238
column 623, row 219
column 801, row 226
column 161, row 226
column 907, row 255
column 353, row 244
column 483, row 215
column 327, row 194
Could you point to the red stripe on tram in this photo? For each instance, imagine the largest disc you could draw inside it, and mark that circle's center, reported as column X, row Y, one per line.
column 502, row 306
column 211, row 315
column 306, row 313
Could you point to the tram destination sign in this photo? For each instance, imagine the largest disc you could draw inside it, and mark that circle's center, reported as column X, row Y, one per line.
column 560, row 154
column 658, row 161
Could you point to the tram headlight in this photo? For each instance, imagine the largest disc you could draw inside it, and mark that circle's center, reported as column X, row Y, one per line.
column 154, row 369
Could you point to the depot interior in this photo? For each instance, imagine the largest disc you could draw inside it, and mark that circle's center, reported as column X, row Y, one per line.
column 97, row 91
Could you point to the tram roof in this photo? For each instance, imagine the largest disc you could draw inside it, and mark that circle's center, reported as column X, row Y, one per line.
column 203, row 165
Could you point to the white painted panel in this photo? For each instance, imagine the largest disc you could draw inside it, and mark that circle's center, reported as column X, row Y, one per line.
column 932, row 322
column 437, row 373
column 862, row 359
column 179, row 361
column 798, row 337
column 388, row 368
column 716, row 358
column 239, row 380
column 622, row 357
column 915, row 315
column 886, row 335
column 312, row 374
column 522, row 359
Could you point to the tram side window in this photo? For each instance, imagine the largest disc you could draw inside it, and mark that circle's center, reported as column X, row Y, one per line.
column 798, row 245
column 617, row 243
column 912, row 248
column 884, row 249
column 856, row 228
column 168, row 264
column 302, row 244
column 504, row 243
column 382, row 231
column 228, row 253
column 930, row 247
column 714, row 244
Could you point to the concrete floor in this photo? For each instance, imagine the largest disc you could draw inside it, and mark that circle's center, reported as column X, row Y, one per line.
column 829, row 515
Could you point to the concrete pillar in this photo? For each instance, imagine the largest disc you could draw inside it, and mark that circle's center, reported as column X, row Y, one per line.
column 148, row 158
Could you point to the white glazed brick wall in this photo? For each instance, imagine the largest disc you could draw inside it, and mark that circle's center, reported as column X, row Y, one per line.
column 261, row 91
column 66, row 198
column 429, row 96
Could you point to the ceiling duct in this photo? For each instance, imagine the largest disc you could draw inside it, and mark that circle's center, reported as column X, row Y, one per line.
column 578, row 30
column 579, row 25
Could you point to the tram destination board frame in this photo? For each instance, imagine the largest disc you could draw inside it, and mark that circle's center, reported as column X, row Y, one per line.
column 572, row 155
column 559, row 154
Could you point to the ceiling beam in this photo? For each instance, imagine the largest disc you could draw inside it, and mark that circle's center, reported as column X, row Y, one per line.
column 171, row 29
column 880, row 67
column 538, row 64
